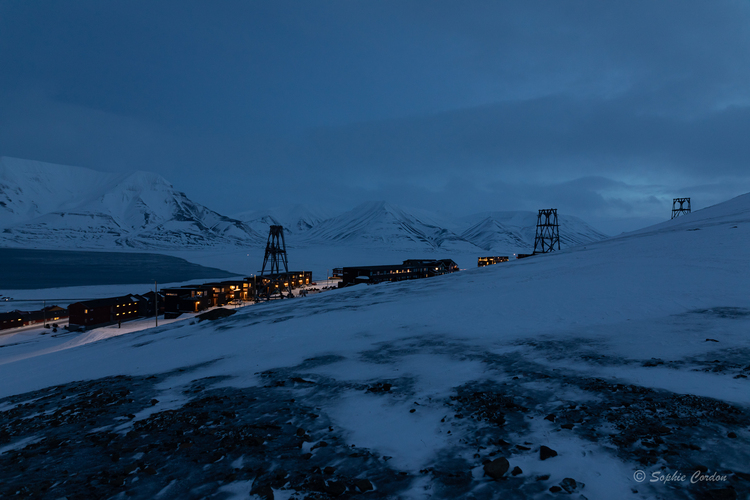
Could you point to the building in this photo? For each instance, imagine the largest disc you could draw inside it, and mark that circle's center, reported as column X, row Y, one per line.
column 434, row 267
column 294, row 279
column 100, row 312
column 146, row 303
column 11, row 319
column 186, row 299
column 524, row 255
column 300, row 278
column 49, row 314
column 238, row 290
column 221, row 293
column 408, row 270
column 488, row 261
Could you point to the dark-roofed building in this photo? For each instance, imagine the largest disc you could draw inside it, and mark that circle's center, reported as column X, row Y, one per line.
column 103, row 311
column 239, row 290
column 186, row 299
column 408, row 270
column 294, row 279
column 11, row 319
column 146, row 303
column 221, row 293
column 49, row 314
column 488, row 261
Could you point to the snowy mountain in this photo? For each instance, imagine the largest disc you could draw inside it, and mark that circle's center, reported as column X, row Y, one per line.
column 513, row 232
column 295, row 219
column 381, row 224
column 588, row 373
column 47, row 205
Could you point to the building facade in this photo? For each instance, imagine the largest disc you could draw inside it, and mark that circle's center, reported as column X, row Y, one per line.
column 101, row 312
column 12, row 319
column 488, row 261
column 408, row 270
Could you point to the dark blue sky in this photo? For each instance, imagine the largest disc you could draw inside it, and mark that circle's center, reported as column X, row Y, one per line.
column 606, row 111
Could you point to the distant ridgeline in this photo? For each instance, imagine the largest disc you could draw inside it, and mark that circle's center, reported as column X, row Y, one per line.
column 23, row 269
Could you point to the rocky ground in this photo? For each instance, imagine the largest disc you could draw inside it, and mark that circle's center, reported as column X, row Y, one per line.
column 113, row 438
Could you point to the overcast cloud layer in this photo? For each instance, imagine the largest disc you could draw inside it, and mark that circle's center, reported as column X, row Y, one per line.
column 606, row 111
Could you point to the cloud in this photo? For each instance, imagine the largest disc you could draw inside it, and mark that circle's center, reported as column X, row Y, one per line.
column 605, row 110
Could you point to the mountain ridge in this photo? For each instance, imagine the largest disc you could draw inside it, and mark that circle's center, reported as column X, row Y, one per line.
column 47, row 205
column 87, row 208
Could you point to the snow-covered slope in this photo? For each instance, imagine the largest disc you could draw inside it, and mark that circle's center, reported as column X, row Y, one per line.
column 295, row 218
column 381, row 224
column 54, row 206
column 30, row 188
column 582, row 372
column 47, row 205
column 513, row 232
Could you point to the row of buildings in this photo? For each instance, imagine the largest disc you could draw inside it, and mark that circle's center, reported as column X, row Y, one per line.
column 196, row 298
column 15, row 319
column 488, row 261
column 408, row 270
column 172, row 302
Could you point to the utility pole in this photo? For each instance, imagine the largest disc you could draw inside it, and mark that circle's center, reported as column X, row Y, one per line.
column 156, row 303
column 44, row 311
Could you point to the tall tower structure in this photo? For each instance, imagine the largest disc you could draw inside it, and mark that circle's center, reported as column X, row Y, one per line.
column 547, row 231
column 683, row 208
column 272, row 284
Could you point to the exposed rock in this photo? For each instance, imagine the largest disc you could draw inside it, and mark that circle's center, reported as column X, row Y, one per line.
column 516, row 471
column 264, row 492
column 568, row 484
column 215, row 314
column 545, row 453
column 335, row 488
column 363, row 485
column 496, row 468
column 380, row 387
column 722, row 494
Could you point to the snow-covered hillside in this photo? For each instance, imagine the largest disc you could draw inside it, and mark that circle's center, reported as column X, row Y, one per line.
column 381, row 224
column 55, row 206
column 505, row 231
column 591, row 373
column 295, row 218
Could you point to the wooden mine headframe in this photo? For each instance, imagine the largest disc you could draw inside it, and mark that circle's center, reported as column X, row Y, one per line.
column 683, row 209
column 273, row 284
column 547, row 231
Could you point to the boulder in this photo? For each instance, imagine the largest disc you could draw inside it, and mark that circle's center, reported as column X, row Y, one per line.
column 545, row 453
column 496, row 468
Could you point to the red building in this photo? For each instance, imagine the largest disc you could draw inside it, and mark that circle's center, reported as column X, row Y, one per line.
column 103, row 311
column 50, row 314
